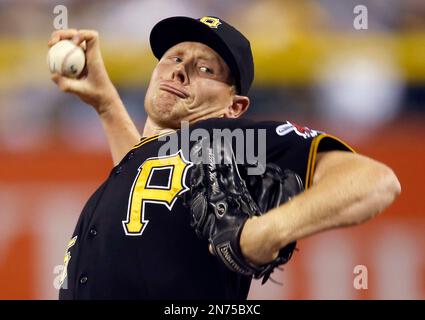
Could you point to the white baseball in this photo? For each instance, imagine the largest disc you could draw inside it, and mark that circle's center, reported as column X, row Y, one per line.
column 66, row 58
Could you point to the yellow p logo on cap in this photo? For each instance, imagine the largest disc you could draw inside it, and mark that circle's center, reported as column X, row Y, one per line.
column 210, row 21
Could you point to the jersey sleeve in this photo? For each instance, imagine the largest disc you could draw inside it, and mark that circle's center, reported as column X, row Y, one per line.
column 286, row 144
column 295, row 147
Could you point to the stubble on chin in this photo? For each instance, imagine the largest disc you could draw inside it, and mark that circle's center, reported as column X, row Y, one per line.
column 166, row 109
column 164, row 103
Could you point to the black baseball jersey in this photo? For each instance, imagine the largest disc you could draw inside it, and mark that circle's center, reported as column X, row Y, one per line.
column 133, row 239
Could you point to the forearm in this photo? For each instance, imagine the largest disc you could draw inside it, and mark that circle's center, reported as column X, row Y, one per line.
column 120, row 130
column 349, row 194
column 347, row 190
column 96, row 89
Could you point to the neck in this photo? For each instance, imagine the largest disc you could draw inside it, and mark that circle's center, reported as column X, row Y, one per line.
column 151, row 128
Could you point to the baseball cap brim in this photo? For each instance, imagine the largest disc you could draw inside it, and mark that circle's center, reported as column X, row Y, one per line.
column 172, row 31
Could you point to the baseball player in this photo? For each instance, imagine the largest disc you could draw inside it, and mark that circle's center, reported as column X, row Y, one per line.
column 145, row 232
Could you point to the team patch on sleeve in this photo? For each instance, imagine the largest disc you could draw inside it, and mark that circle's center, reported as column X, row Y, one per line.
column 289, row 127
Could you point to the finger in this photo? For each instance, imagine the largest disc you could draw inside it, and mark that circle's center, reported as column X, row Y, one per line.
column 55, row 77
column 89, row 41
column 62, row 34
column 68, row 84
column 92, row 43
column 53, row 40
column 90, row 37
column 83, row 45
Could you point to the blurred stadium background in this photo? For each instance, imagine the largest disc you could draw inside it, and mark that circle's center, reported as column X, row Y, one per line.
column 312, row 66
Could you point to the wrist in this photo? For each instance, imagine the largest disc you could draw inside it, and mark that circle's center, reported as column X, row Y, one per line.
column 258, row 240
column 107, row 105
column 280, row 227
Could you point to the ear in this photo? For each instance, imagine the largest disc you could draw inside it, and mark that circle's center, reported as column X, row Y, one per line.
column 239, row 106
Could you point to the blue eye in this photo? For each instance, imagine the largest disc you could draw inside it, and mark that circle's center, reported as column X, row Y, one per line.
column 205, row 69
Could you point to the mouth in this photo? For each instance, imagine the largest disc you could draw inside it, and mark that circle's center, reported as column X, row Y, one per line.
column 181, row 93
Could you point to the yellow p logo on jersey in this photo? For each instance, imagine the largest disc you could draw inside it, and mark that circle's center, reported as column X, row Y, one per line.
column 66, row 260
column 210, row 21
column 142, row 192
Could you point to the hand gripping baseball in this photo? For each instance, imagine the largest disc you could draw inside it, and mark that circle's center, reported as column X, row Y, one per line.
column 93, row 86
column 220, row 204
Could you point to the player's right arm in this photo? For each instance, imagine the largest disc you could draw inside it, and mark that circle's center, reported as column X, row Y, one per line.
column 96, row 89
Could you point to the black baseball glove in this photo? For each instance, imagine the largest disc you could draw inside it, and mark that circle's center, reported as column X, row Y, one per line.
column 221, row 202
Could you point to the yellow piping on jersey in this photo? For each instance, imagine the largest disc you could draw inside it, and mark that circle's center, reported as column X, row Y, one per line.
column 149, row 139
column 313, row 154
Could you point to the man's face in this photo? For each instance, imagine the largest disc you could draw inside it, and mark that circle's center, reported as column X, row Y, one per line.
column 191, row 82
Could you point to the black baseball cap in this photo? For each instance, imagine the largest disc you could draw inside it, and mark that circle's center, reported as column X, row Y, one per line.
column 228, row 42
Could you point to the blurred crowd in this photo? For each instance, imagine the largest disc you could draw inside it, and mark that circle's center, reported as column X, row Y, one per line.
column 358, row 86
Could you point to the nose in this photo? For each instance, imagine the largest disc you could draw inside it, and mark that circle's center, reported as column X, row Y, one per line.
column 180, row 75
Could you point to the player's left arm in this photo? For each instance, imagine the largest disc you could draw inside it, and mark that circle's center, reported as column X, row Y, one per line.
column 347, row 189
